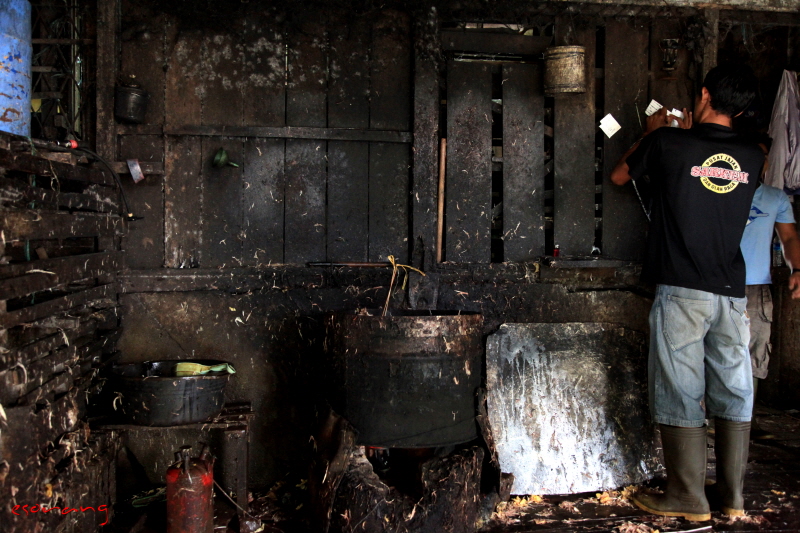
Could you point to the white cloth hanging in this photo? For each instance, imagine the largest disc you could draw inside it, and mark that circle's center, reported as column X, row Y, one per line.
column 784, row 129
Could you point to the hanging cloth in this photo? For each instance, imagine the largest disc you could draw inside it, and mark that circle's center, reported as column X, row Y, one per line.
column 784, row 129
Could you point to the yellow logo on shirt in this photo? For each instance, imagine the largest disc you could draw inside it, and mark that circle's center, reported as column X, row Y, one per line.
column 734, row 174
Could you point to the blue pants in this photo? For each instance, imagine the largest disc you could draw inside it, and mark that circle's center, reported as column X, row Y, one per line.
column 698, row 351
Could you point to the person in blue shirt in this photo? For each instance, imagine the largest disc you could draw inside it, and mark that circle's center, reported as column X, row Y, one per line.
column 770, row 213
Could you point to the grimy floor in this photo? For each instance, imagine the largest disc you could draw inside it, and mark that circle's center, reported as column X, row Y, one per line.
column 772, row 492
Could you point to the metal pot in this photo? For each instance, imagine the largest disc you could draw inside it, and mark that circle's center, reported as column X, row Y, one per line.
column 407, row 380
column 149, row 393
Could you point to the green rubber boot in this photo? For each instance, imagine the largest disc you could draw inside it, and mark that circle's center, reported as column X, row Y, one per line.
column 731, row 445
column 685, row 462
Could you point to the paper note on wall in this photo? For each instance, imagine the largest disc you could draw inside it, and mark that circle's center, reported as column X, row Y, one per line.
column 609, row 125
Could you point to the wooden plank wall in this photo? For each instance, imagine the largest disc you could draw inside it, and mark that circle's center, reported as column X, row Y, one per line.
column 574, row 150
column 60, row 225
column 626, row 98
column 329, row 181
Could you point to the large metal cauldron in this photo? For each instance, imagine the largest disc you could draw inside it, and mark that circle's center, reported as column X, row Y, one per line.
column 407, row 380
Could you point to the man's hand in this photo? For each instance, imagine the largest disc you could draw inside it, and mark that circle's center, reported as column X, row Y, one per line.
column 659, row 119
column 683, row 123
column 794, row 285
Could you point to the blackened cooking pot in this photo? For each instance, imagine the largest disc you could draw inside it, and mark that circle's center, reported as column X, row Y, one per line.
column 150, row 394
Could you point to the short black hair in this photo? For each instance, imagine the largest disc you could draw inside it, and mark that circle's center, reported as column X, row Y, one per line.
column 732, row 87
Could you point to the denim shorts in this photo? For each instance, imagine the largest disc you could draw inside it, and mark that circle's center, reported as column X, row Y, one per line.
column 699, row 355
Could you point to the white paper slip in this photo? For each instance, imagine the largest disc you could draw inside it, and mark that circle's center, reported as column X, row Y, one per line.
column 609, row 125
column 676, row 113
column 652, row 107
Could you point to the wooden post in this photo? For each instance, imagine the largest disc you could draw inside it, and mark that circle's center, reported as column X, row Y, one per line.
column 107, row 25
column 426, row 132
column 574, row 149
column 710, row 49
column 440, row 207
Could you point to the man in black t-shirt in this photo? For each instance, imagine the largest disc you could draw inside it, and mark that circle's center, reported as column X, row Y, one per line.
column 703, row 179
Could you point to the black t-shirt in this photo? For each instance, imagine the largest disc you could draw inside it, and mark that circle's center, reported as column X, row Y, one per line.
column 703, row 180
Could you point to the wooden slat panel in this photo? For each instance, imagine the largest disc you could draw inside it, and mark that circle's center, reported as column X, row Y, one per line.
column 30, row 224
column 15, row 193
column 265, row 96
column 348, row 201
column 348, row 162
column 38, row 349
column 626, row 59
column 390, row 108
column 306, row 92
column 306, row 100
column 40, row 427
column 390, row 72
column 183, row 87
column 183, row 200
column 32, row 164
column 222, row 96
column 305, row 201
column 264, row 72
column 61, row 272
column 388, row 202
column 57, row 305
column 469, row 165
column 574, row 150
column 523, row 163
column 64, row 267
column 263, row 201
column 144, row 239
column 222, row 209
column 349, row 84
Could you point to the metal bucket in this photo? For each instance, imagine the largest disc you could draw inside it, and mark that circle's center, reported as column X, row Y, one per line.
column 564, row 70
column 149, row 393
column 130, row 104
column 406, row 380
column 15, row 67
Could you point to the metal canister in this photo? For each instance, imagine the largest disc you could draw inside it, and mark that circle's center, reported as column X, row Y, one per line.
column 564, row 70
column 190, row 493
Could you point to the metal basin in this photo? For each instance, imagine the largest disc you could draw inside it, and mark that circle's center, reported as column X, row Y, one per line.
column 407, row 380
column 149, row 393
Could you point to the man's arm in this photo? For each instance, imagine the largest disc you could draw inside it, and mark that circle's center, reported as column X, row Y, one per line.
column 787, row 233
column 621, row 173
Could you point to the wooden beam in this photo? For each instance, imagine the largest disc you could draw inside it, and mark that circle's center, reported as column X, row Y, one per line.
column 574, row 149
column 425, row 151
column 485, row 42
column 295, row 132
column 107, row 30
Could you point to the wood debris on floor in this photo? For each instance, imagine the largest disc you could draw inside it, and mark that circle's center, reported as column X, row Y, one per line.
column 772, row 494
